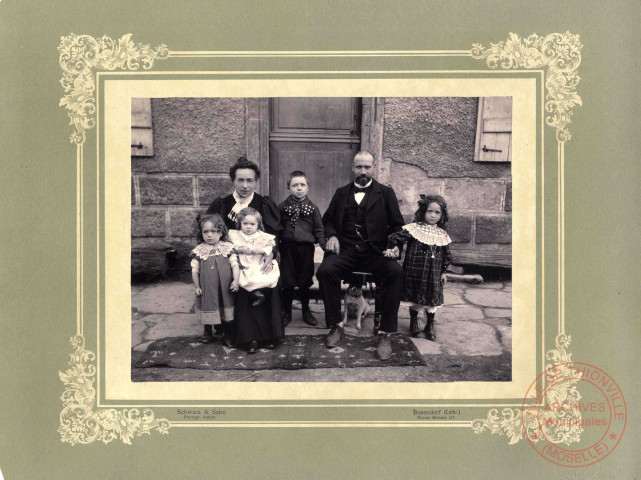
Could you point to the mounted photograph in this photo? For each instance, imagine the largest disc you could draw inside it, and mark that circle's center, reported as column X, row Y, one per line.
column 322, row 239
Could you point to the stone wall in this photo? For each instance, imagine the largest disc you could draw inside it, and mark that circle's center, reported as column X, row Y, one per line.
column 429, row 146
column 195, row 142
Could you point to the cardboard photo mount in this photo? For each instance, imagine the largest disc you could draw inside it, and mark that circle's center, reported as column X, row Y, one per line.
column 100, row 76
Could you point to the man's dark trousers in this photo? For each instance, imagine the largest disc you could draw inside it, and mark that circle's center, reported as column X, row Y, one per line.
column 386, row 270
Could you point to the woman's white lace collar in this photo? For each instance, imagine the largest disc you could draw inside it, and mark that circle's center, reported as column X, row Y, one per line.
column 428, row 234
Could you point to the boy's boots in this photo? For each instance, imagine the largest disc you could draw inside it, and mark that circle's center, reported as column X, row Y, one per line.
column 308, row 318
column 288, row 298
column 429, row 326
column 414, row 330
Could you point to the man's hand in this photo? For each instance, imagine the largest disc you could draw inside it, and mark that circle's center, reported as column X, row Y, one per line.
column 333, row 245
column 199, row 291
column 391, row 252
column 443, row 278
column 266, row 263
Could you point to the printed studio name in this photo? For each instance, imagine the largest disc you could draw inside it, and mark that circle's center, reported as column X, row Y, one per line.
column 436, row 414
column 200, row 414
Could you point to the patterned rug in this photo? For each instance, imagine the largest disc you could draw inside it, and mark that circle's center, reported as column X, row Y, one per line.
column 294, row 352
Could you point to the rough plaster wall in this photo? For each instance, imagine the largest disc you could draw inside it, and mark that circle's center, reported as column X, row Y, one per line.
column 409, row 182
column 437, row 135
column 429, row 143
column 196, row 135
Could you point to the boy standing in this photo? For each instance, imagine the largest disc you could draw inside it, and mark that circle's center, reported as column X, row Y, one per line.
column 302, row 227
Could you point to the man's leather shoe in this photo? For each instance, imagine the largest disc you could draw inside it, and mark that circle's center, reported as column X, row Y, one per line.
column 384, row 349
column 334, row 336
column 309, row 319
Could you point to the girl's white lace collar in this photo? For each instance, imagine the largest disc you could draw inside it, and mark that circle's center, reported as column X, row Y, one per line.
column 204, row 250
column 428, row 234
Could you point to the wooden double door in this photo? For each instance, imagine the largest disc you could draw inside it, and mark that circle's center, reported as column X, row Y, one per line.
column 318, row 136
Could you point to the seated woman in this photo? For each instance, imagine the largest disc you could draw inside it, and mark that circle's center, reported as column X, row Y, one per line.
column 254, row 320
column 244, row 175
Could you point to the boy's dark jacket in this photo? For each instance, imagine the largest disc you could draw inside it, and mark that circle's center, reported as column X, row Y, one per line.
column 309, row 229
column 382, row 215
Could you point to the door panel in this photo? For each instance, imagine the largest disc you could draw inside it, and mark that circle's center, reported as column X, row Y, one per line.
column 321, row 115
column 328, row 166
column 318, row 136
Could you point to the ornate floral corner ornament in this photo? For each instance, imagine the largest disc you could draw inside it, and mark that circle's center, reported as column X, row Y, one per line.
column 559, row 54
column 80, row 56
column 510, row 421
column 80, row 423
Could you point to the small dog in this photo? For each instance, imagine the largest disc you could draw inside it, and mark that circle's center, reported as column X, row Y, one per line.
column 355, row 304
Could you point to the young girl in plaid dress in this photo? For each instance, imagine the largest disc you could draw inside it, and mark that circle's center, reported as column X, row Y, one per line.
column 427, row 258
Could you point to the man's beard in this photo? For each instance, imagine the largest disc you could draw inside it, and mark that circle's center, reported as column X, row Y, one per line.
column 362, row 180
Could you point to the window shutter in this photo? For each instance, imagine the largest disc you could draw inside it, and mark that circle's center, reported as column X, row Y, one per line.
column 494, row 130
column 142, row 137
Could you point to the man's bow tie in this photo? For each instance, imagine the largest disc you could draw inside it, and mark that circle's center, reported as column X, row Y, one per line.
column 360, row 189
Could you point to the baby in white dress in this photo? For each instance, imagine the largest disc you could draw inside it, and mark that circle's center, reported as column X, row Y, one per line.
column 253, row 245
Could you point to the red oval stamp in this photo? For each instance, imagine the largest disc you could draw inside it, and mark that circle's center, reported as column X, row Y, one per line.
column 574, row 414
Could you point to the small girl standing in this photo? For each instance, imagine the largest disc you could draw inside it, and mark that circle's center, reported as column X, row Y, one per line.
column 257, row 303
column 215, row 273
column 427, row 258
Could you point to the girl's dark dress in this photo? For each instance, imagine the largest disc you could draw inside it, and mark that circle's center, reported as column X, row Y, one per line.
column 427, row 257
column 262, row 323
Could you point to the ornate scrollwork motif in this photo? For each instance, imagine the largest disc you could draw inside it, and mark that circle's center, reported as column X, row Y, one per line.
column 80, row 55
column 510, row 422
column 559, row 53
column 79, row 423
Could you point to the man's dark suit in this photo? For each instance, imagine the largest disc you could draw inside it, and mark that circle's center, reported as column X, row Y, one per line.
column 382, row 217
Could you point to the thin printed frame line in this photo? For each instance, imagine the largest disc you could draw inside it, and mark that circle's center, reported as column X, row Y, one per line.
column 326, row 424
column 372, row 405
column 79, row 242
column 562, row 237
column 308, row 72
column 542, row 146
column 312, row 54
column 283, row 72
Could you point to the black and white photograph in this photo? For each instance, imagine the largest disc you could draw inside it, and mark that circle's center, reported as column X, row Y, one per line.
column 321, row 239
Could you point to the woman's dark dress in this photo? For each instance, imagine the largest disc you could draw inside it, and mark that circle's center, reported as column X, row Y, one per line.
column 262, row 323
column 265, row 206
column 422, row 271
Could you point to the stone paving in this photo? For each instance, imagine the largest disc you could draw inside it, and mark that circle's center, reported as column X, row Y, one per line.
column 476, row 321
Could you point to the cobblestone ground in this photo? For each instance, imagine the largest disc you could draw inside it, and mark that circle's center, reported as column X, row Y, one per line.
column 473, row 337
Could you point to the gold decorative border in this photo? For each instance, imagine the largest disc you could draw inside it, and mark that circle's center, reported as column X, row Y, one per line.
column 80, row 55
column 560, row 53
column 79, row 423
column 510, row 422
